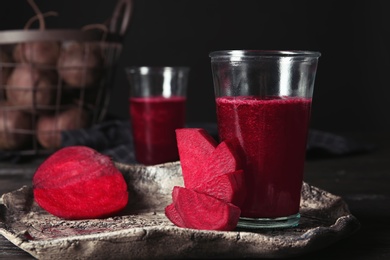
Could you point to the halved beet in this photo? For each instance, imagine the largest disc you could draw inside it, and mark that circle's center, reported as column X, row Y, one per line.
column 228, row 187
column 98, row 197
column 195, row 146
column 201, row 211
column 77, row 182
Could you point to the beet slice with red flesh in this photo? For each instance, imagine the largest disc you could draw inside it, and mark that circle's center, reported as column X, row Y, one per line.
column 228, row 187
column 174, row 216
column 77, row 182
column 222, row 160
column 171, row 211
column 213, row 180
column 195, row 146
column 201, row 211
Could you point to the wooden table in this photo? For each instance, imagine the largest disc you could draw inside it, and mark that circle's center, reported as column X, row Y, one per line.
column 363, row 180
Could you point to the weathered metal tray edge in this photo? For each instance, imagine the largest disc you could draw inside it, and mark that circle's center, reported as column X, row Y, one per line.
column 143, row 231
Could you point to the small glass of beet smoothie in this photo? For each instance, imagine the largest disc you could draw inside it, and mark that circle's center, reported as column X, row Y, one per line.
column 263, row 101
column 157, row 107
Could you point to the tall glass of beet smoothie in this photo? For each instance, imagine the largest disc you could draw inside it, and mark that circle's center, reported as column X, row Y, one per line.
column 157, row 107
column 263, row 101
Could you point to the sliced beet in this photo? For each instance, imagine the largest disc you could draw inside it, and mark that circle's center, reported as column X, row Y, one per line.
column 201, row 211
column 214, row 183
column 222, row 160
column 228, row 187
column 174, row 216
column 195, row 146
column 171, row 212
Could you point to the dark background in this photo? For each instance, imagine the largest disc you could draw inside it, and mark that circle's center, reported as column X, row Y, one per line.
column 352, row 87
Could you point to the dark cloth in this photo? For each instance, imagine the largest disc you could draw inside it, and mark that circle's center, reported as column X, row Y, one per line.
column 322, row 144
column 113, row 138
column 10, row 156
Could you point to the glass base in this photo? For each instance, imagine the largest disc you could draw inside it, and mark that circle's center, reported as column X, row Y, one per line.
column 262, row 223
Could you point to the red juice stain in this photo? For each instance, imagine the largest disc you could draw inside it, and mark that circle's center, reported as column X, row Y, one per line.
column 271, row 134
column 154, row 120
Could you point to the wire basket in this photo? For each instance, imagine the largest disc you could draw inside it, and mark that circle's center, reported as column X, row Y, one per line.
column 56, row 80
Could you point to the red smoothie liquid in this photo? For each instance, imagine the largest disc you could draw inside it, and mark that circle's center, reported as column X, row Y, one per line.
column 271, row 135
column 154, row 120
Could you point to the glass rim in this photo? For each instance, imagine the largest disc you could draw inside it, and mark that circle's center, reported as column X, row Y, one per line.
column 263, row 53
column 148, row 69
